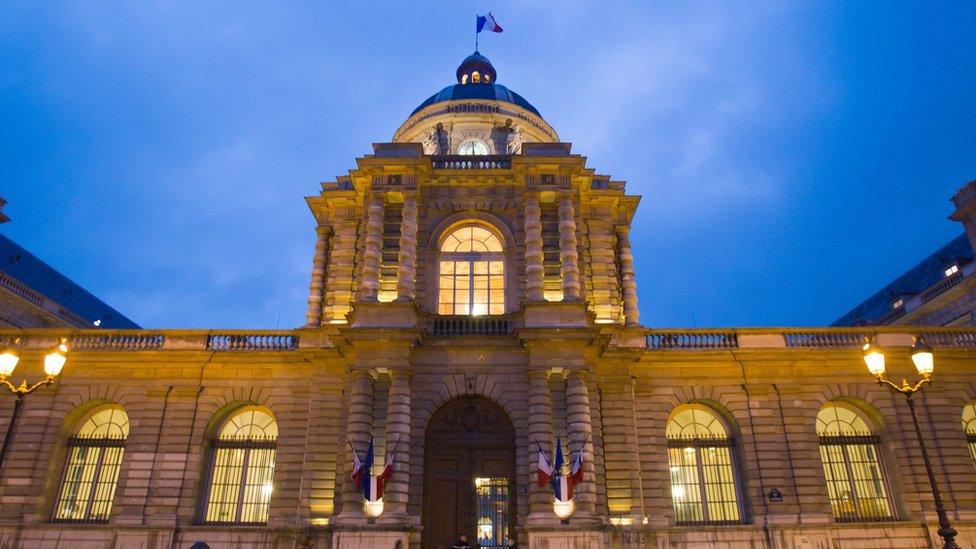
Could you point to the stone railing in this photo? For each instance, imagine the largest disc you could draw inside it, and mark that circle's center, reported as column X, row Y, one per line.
column 941, row 287
column 25, row 292
column 120, row 341
column 247, row 341
column 471, row 162
column 692, row 340
column 802, row 338
column 470, row 325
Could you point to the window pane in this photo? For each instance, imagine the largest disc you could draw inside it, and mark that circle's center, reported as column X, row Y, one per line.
column 685, row 491
column 243, row 469
column 92, row 464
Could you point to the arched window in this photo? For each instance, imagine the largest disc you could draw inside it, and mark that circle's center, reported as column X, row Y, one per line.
column 472, row 273
column 242, row 469
column 487, row 78
column 464, row 79
column 852, row 466
column 475, row 77
column 703, row 486
column 969, row 425
column 91, row 469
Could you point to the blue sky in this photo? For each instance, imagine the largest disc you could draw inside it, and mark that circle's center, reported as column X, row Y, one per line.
column 792, row 157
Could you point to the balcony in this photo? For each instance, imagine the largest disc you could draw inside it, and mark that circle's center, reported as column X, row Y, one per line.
column 470, row 325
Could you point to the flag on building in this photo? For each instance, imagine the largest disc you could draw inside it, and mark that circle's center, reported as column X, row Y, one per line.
column 561, row 486
column 366, row 480
column 576, row 470
column 357, row 469
column 487, row 22
column 544, row 467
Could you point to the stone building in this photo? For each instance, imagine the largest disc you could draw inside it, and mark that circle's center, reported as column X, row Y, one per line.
column 473, row 301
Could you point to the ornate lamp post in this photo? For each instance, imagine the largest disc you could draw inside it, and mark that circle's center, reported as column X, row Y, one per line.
column 874, row 358
column 54, row 361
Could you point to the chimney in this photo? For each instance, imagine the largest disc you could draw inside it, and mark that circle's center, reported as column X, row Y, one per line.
column 965, row 201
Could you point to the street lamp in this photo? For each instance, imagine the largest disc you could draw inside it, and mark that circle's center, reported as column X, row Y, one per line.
column 874, row 358
column 54, row 360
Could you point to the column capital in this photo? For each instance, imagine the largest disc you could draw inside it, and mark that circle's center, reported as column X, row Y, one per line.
column 401, row 373
column 582, row 375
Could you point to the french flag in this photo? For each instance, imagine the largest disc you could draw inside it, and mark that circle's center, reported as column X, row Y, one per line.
column 487, row 22
column 366, row 480
column 576, row 469
column 545, row 468
column 562, row 486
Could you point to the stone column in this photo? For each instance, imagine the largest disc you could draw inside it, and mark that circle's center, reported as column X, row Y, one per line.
column 580, row 430
column 396, row 490
column 627, row 281
column 568, row 252
column 407, row 258
column 534, row 271
column 540, row 431
column 316, row 290
column 372, row 252
column 359, row 426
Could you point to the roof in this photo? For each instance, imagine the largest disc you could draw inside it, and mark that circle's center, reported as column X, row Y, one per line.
column 47, row 281
column 916, row 280
column 495, row 92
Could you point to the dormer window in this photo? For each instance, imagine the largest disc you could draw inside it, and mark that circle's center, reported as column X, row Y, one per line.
column 897, row 303
column 951, row 270
column 464, row 79
column 476, row 77
column 487, row 79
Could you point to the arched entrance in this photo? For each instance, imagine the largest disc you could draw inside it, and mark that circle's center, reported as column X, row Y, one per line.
column 469, row 475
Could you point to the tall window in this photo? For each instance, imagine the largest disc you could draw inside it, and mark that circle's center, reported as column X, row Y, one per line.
column 472, row 273
column 92, row 467
column 852, row 466
column 242, row 469
column 702, row 479
column 969, row 425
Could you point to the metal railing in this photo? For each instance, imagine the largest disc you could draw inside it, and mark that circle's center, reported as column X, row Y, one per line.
column 470, row 326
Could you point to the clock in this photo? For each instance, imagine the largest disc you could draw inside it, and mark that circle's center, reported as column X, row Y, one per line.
column 473, row 146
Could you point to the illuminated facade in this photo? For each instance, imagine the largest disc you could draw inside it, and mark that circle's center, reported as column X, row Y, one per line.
column 473, row 300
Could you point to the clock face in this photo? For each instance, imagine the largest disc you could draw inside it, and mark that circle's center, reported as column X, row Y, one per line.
column 473, row 146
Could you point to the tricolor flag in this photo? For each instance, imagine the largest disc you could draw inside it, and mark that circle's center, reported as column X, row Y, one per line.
column 561, row 486
column 357, row 470
column 366, row 479
column 576, row 470
column 545, row 468
column 487, row 22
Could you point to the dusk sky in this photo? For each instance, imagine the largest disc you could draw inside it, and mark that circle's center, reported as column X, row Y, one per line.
column 792, row 157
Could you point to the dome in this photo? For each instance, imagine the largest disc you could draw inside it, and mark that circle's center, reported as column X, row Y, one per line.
column 476, row 80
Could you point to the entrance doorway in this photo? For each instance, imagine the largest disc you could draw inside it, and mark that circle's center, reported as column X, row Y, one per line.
column 469, row 475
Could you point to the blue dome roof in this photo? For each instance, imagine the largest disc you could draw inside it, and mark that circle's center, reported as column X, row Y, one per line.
column 495, row 92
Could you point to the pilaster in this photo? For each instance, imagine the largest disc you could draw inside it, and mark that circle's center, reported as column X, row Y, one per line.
column 534, row 270
column 317, row 286
column 568, row 251
column 628, row 282
column 372, row 253
column 407, row 258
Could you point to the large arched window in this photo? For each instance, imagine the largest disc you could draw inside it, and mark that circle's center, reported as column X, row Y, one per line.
column 969, row 425
column 852, row 465
column 703, row 486
column 242, row 469
column 472, row 273
column 91, row 470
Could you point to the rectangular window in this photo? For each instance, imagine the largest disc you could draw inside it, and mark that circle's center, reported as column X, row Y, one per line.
column 855, row 485
column 492, row 502
column 90, row 477
column 469, row 287
column 951, row 270
column 703, row 482
column 241, row 482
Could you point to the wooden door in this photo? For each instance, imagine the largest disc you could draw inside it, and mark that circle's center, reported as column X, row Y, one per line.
column 467, row 439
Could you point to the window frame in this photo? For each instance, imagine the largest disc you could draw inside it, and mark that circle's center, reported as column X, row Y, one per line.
column 248, row 445
column 471, row 258
column 970, row 432
column 100, row 443
column 699, row 443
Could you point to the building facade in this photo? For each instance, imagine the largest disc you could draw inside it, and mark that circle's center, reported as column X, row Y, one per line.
column 472, row 304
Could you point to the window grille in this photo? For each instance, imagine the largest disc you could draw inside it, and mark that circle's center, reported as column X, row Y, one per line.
column 852, row 467
column 91, row 471
column 969, row 426
column 471, row 273
column 703, row 483
column 242, row 470
column 492, row 502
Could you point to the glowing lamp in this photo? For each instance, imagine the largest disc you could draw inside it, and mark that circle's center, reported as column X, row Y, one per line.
column 373, row 509
column 563, row 509
column 922, row 357
column 55, row 358
column 8, row 361
column 874, row 358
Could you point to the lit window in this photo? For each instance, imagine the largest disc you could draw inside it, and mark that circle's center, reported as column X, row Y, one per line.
column 897, row 303
column 850, row 453
column 475, row 77
column 969, row 425
column 242, row 469
column 703, row 487
column 464, row 79
column 473, row 147
column 92, row 469
column 952, row 270
column 487, row 79
column 472, row 273
column 492, row 502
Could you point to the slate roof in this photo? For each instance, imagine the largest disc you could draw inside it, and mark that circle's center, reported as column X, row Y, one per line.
column 47, row 281
column 916, row 280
